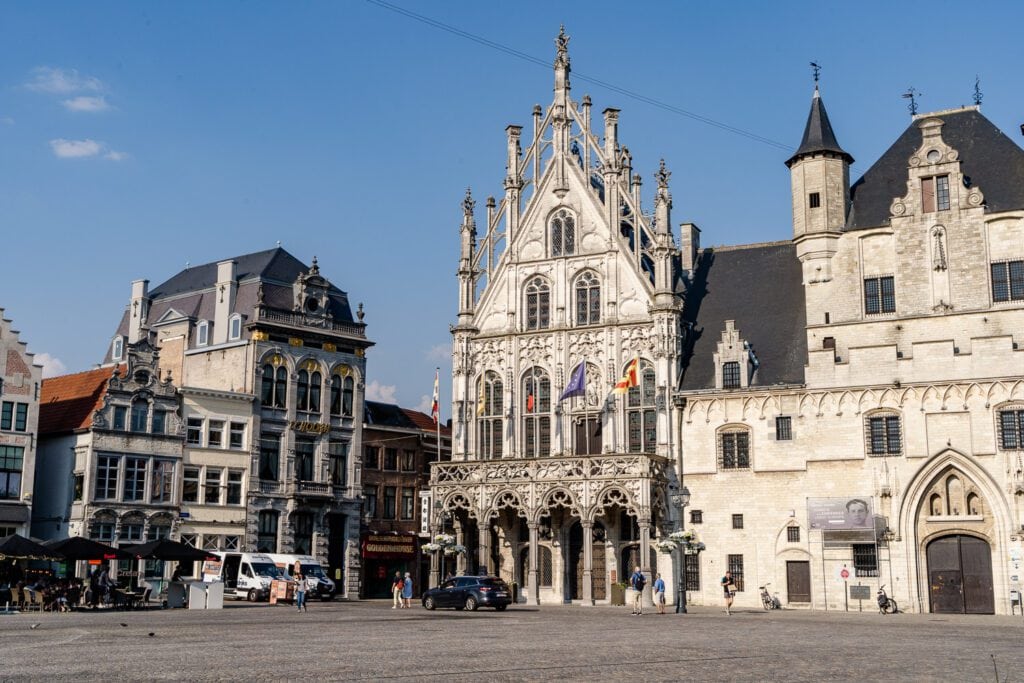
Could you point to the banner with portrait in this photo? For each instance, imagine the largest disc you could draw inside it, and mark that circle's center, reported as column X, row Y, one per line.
column 840, row 514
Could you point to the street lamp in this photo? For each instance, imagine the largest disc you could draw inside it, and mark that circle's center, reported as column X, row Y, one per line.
column 681, row 499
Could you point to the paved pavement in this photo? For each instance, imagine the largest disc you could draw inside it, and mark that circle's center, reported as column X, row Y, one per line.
column 370, row 641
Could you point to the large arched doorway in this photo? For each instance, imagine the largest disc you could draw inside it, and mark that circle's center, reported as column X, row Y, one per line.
column 576, row 557
column 960, row 575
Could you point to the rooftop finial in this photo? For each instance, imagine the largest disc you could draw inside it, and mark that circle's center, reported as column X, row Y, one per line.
column 562, row 43
column 816, row 70
column 315, row 268
column 468, row 203
column 912, row 94
column 662, row 176
column 977, row 91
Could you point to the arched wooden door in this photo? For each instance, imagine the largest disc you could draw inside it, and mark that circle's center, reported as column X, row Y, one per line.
column 600, row 567
column 960, row 575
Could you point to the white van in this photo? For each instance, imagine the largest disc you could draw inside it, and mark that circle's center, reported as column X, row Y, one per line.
column 245, row 575
column 317, row 581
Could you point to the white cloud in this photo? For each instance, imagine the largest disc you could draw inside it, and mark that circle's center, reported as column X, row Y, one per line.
column 52, row 366
column 6, row 121
column 385, row 393
column 114, row 155
column 62, row 81
column 441, row 352
column 87, row 104
column 425, row 404
column 75, row 149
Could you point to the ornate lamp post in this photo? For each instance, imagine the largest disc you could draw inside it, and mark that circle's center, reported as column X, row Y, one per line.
column 681, row 499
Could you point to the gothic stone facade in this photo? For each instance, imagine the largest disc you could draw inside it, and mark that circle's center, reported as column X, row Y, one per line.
column 562, row 497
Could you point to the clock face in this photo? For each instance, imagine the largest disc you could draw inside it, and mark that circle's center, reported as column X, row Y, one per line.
column 312, row 305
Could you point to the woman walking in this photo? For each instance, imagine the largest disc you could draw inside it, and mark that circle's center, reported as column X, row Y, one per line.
column 397, row 586
column 407, row 592
column 300, row 592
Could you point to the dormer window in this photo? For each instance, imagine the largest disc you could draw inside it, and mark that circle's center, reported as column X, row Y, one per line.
column 235, row 327
column 203, row 333
column 117, row 349
column 731, row 375
column 935, row 194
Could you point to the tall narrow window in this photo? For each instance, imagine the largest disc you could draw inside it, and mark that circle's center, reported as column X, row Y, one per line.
column 490, row 404
column 270, row 456
column 120, row 418
column 734, row 564
column 302, row 522
column 211, row 493
column 267, row 386
column 203, row 333
column 783, row 428
column 159, row 422
column 335, row 395
column 408, row 503
column 315, row 383
column 134, row 479
column 234, row 496
column 190, row 485
column 12, row 460
column 536, row 413
column 163, row 480
column 21, row 417
column 641, row 413
column 304, row 457
column 266, row 538
column 338, row 451
column 370, row 501
column 879, row 295
column 302, row 390
column 215, row 437
column 117, row 349
column 563, row 234
column 348, row 397
column 280, row 388
column 935, row 194
column 814, row 200
column 588, row 299
column 389, row 502
column 236, row 437
column 538, row 304
column 235, row 328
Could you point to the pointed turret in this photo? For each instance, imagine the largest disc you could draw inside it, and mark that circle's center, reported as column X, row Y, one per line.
column 819, row 138
column 820, row 180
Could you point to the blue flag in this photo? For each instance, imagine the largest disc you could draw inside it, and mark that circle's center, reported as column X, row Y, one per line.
column 577, row 385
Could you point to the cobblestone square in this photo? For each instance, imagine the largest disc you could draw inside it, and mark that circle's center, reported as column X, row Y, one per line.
column 370, row 641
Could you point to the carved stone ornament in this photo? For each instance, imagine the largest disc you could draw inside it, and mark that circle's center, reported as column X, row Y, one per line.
column 635, row 340
column 536, row 349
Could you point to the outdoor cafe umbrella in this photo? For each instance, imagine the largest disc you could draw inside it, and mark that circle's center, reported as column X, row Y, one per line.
column 79, row 548
column 17, row 547
column 168, row 550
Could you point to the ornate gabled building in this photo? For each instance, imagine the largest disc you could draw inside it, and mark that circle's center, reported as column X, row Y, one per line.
column 271, row 364
column 869, row 403
column 20, row 380
column 563, row 496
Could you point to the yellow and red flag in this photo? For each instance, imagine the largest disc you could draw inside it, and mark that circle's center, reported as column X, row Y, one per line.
column 629, row 378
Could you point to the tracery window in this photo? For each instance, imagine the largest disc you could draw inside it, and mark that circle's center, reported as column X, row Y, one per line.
column 563, row 233
column 490, row 403
column 536, row 413
column 588, row 299
column 641, row 413
column 538, row 304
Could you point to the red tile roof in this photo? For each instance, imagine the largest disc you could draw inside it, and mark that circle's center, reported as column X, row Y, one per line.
column 68, row 402
column 425, row 422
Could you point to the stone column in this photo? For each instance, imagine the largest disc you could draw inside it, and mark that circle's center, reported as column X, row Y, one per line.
column 588, row 562
column 645, row 558
column 483, row 541
column 533, row 594
column 460, row 539
column 435, row 561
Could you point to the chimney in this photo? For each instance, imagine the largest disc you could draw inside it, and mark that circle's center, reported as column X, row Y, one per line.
column 224, row 298
column 689, row 245
column 139, row 310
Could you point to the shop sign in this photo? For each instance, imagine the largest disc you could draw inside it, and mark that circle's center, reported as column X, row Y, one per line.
column 385, row 546
column 310, row 427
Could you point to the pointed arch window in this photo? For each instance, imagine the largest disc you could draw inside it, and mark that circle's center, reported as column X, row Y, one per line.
column 536, row 413
column 538, row 304
column 641, row 412
column 563, row 233
column 588, row 299
column 490, row 404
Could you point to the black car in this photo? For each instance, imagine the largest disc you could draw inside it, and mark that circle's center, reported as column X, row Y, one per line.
column 469, row 592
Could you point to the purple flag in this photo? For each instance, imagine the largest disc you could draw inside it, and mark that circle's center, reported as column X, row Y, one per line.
column 577, row 385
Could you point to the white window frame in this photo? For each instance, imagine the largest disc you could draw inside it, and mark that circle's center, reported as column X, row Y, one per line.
column 117, row 349
column 235, row 327
column 203, row 333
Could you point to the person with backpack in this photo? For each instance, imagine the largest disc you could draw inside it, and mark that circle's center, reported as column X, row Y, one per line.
column 637, row 582
column 729, row 588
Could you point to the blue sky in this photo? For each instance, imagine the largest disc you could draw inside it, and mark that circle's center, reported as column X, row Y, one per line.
column 138, row 137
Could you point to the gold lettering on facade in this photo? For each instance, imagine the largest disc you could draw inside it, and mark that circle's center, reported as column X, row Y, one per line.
column 310, row 427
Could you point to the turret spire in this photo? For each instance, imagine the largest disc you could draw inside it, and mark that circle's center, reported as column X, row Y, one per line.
column 818, row 134
column 561, row 62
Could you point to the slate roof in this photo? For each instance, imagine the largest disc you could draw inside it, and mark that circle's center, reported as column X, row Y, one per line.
column 992, row 161
column 66, row 403
column 760, row 287
column 391, row 415
column 818, row 134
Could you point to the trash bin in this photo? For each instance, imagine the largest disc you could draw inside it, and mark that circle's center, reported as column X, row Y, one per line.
column 618, row 594
column 515, row 592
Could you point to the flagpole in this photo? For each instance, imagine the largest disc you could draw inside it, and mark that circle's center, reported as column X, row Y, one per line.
column 437, row 422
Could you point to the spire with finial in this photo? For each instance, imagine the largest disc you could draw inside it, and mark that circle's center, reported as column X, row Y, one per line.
column 562, row 62
column 315, row 268
column 468, row 203
column 977, row 91
column 818, row 134
column 662, row 176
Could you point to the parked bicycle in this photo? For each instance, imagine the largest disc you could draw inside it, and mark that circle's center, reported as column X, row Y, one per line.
column 886, row 605
column 768, row 601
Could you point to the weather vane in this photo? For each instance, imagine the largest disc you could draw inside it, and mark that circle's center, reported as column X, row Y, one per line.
column 977, row 91
column 912, row 95
column 816, row 68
